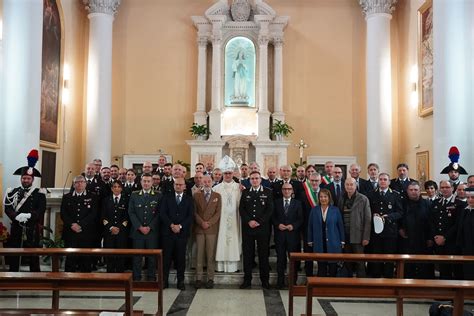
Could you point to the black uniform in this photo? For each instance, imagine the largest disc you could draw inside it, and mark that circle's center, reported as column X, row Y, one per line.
column 400, row 186
column 128, row 188
column 415, row 223
column 167, row 185
column 465, row 239
column 389, row 204
column 256, row 205
column 443, row 217
column 83, row 211
column 115, row 214
column 30, row 201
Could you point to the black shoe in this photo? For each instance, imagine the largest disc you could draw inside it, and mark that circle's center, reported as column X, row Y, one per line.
column 210, row 284
column 280, row 286
column 166, row 285
column 198, row 284
column 181, row 286
column 245, row 285
column 266, row 285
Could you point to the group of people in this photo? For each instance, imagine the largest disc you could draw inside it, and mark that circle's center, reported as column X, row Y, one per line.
column 222, row 218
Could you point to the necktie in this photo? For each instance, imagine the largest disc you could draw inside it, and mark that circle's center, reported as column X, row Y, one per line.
column 374, row 184
column 116, row 200
column 382, row 193
column 286, row 206
column 145, row 194
column 178, row 199
column 338, row 191
column 207, row 195
column 89, row 181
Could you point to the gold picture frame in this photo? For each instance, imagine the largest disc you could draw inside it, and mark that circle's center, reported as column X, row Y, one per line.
column 425, row 59
column 423, row 168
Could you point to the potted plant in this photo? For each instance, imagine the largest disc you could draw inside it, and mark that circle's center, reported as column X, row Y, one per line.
column 280, row 129
column 47, row 241
column 200, row 132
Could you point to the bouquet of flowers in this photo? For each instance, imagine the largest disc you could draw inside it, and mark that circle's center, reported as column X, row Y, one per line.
column 3, row 233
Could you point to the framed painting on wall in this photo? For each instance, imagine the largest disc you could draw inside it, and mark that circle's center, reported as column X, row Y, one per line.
column 425, row 59
column 422, row 168
column 50, row 75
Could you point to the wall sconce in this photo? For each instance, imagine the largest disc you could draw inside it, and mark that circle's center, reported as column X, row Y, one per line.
column 414, row 86
column 66, row 97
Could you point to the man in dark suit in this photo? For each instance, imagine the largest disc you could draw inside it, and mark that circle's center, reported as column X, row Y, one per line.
column 287, row 219
column 401, row 183
column 256, row 208
column 386, row 204
column 309, row 199
column 336, row 187
column 115, row 223
column 363, row 186
column 285, row 172
column 176, row 219
column 143, row 211
column 79, row 215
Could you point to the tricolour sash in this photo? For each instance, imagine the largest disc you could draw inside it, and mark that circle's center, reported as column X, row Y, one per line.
column 310, row 194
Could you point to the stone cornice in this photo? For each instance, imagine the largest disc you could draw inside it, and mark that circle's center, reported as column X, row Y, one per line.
column 102, row 6
column 370, row 7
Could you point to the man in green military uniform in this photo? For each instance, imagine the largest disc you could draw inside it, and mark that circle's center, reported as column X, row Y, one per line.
column 143, row 213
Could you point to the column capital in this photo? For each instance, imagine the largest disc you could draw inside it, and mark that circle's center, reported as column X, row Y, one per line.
column 370, row 7
column 278, row 41
column 202, row 40
column 109, row 7
column 263, row 39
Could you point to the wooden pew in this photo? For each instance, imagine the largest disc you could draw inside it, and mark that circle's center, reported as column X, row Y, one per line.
column 57, row 253
column 390, row 288
column 399, row 260
column 66, row 281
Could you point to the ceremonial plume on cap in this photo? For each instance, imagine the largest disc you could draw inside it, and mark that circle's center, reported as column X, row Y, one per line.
column 454, row 165
column 227, row 164
column 29, row 170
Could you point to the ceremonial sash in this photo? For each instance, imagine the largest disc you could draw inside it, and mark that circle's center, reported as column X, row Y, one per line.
column 23, row 200
column 310, row 194
column 326, row 179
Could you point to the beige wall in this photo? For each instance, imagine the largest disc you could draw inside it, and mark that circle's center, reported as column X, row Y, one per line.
column 415, row 133
column 155, row 70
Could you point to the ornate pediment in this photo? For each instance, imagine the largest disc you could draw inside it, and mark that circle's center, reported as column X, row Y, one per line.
column 240, row 10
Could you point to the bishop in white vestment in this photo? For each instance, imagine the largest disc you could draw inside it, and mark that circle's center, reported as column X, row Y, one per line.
column 229, row 239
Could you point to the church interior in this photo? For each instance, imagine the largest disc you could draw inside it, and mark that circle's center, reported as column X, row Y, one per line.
column 125, row 81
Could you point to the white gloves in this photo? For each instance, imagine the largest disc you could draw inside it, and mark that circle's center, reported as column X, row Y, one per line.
column 23, row 217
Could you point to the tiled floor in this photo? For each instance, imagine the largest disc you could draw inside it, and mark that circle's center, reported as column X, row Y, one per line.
column 218, row 301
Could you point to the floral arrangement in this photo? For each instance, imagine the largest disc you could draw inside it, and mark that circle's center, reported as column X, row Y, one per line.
column 3, row 233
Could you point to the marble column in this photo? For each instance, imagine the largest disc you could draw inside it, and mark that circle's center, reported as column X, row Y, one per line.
column 378, row 82
column 263, row 115
column 453, row 83
column 21, row 99
column 278, row 80
column 200, row 116
column 215, row 115
column 99, row 79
